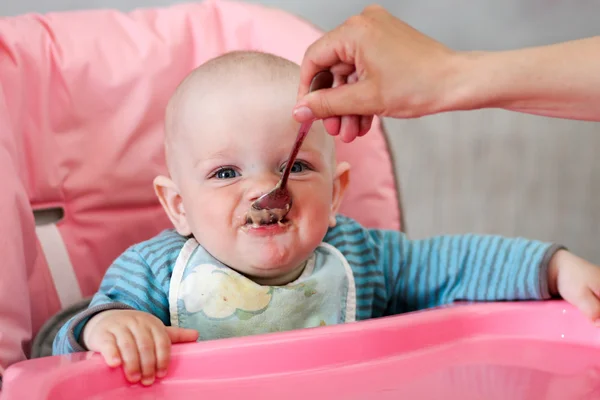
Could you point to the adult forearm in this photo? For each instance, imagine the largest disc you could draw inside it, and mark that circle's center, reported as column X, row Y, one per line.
column 560, row 80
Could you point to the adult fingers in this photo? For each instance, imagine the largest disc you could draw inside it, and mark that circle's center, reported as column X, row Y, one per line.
column 350, row 124
column 359, row 98
column 335, row 50
column 321, row 55
column 332, row 125
column 349, row 128
column 366, row 121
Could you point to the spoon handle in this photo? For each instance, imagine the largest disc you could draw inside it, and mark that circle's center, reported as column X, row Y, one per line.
column 304, row 128
column 322, row 80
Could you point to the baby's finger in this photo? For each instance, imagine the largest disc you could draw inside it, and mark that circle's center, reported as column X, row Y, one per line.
column 107, row 347
column 129, row 353
column 589, row 304
column 144, row 339
column 181, row 335
column 162, row 344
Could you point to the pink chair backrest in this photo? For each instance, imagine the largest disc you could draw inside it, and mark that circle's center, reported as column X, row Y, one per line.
column 82, row 98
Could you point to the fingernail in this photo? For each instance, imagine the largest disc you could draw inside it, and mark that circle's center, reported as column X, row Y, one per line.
column 304, row 113
column 135, row 377
column 161, row 373
column 147, row 381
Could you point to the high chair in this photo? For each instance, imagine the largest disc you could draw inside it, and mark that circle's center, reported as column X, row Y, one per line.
column 82, row 100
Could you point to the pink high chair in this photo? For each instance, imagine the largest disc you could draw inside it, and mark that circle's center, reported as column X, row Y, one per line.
column 82, row 98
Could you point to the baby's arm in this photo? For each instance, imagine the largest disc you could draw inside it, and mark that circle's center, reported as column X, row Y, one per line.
column 439, row 270
column 126, row 320
column 129, row 284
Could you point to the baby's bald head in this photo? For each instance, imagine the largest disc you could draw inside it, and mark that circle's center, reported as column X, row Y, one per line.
column 229, row 132
column 224, row 89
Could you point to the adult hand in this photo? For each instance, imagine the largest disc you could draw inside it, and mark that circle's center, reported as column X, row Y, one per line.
column 382, row 66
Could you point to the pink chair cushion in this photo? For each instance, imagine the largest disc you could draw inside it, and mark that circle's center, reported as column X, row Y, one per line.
column 81, row 107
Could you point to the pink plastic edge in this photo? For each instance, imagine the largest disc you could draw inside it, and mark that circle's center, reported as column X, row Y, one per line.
column 544, row 321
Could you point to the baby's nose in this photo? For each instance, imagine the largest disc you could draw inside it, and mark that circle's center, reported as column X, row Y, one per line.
column 259, row 187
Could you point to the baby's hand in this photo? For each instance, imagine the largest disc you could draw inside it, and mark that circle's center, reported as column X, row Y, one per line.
column 137, row 340
column 577, row 281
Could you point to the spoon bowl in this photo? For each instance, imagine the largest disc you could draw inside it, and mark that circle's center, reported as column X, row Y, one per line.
column 272, row 207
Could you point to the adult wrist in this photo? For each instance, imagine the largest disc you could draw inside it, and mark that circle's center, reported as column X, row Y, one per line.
column 467, row 82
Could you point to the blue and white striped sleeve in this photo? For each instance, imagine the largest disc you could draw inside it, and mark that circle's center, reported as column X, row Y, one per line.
column 137, row 280
column 440, row 270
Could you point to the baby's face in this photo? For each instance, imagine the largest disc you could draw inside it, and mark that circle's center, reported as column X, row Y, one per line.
column 233, row 151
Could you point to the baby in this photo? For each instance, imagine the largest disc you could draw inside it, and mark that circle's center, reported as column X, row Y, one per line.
column 228, row 132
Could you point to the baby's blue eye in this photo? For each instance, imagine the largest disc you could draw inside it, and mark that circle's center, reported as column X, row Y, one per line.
column 226, row 173
column 298, row 167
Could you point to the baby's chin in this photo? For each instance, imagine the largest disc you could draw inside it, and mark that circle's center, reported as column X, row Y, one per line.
column 280, row 278
column 266, row 268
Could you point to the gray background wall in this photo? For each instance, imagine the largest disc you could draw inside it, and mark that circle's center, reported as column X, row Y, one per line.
column 484, row 171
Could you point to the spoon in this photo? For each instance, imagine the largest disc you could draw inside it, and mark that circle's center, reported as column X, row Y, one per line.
column 273, row 206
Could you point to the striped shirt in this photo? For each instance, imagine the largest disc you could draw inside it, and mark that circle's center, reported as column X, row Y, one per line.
column 392, row 273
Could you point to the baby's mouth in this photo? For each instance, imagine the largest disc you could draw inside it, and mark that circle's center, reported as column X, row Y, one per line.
column 263, row 222
column 266, row 216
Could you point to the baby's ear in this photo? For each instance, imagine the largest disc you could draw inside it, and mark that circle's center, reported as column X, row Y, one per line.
column 171, row 201
column 341, row 179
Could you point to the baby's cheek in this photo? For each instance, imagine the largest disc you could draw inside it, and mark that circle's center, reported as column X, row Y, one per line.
column 318, row 222
column 216, row 240
column 209, row 221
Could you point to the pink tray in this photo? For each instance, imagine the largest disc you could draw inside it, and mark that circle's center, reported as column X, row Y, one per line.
column 478, row 351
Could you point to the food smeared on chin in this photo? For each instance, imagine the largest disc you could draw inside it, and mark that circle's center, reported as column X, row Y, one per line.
column 257, row 218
